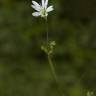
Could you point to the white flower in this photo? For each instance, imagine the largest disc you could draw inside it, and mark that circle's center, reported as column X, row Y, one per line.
column 42, row 9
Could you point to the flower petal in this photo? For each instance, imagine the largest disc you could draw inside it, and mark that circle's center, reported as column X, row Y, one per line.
column 35, row 3
column 46, row 14
column 46, row 3
column 43, row 5
column 37, row 8
column 50, row 8
column 36, row 14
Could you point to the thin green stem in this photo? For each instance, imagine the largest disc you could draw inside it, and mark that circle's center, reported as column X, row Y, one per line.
column 55, row 76
column 52, row 68
column 49, row 57
column 47, row 33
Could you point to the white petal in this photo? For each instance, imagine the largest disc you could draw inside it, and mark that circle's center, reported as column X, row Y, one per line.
column 36, row 14
column 46, row 14
column 37, row 8
column 43, row 5
column 35, row 3
column 46, row 3
column 50, row 8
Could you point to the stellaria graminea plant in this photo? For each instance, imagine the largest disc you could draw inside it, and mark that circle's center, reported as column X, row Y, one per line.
column 42, row 10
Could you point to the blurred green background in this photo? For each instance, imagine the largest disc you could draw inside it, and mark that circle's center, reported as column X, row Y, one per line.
column 24, row 68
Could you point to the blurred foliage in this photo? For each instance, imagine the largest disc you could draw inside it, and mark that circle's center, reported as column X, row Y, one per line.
column 24, row 69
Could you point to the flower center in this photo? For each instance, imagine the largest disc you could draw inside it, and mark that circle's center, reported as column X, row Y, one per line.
column 43, row 12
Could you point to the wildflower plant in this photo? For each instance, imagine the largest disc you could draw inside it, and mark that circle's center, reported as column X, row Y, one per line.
column 42, row 11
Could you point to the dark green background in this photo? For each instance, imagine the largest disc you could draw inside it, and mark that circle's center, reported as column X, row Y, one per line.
column 24, row 69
